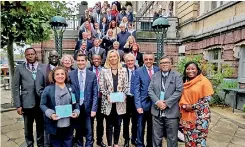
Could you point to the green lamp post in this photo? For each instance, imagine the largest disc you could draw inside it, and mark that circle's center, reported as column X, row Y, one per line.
column 160, row 27
column 58, row 24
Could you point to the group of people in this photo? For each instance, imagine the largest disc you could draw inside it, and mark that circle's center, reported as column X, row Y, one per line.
column 107, row 63
column 106, row 24
column 156, row 95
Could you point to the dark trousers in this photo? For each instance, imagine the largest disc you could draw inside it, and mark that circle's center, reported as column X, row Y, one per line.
column 84, row 122
column 63, row 137
column 29, row 116
column 131, row 113
column 113, row 121
column 142, row 119
column 46, row 139
column 99, row 127
column 162, row 124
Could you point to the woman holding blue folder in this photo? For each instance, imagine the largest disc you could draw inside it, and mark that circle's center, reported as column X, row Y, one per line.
column 113, row 86
column 59, row 105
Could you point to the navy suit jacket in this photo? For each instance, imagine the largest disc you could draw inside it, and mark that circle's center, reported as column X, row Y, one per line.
column 79, row 43
column 132, row 83
column 141, row 84
column 90, row 91
column 48, row 102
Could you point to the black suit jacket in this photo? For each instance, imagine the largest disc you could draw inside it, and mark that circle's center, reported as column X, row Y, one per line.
column 79, row 42
column 139, row 58
column 102, row 53
column 83, row 19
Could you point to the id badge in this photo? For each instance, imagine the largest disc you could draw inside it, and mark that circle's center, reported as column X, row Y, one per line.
column 162, row 94
column 136, row 62
column 81, row 94
column 73, row 98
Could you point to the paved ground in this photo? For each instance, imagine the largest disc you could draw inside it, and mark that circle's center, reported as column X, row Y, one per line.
column 222, row 132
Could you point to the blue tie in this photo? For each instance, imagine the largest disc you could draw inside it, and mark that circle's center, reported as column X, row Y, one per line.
column 81, row 81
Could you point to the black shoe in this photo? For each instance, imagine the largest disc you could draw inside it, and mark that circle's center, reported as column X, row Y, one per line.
column 134, row 142
column 101, row 144
column 126, row 143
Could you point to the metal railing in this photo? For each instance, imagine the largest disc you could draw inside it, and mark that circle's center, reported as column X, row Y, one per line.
column 72, row 22
column 144, row 8
column 143, row 23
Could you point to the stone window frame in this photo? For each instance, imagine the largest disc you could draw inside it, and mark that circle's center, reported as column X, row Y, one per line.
column 211, row 54
column 241, row 78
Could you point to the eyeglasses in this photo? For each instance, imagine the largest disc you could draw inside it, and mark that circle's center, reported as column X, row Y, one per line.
column 148, row 59
column 164, row 62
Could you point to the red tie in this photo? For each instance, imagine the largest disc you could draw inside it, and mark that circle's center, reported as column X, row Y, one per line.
column 98, row 78
column 97, row 72
column 150, row 73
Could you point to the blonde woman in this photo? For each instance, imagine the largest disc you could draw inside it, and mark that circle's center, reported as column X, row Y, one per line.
column 67, row 61
column 125, row 21
column 107, row 41
column 128, row 46
column 113, row 79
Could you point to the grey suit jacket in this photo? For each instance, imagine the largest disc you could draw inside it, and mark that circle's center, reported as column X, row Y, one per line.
column 121, row 54
column 173, row 90
column 25, row 95
column 102, row 53
column 42, row 80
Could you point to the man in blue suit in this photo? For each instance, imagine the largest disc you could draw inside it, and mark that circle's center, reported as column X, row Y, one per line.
column 85, row 83
column 84, row 39
column 130, row 106
column 142, row 100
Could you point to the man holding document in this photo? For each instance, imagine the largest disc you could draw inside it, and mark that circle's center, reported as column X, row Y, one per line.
column 165, row 90
column 114, row 87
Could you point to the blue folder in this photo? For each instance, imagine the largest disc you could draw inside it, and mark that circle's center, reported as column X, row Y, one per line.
column 63, row 111
column 116, row 97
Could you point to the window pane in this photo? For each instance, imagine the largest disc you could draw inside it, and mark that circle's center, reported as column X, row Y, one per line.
column 213, row 5
column 216, row 55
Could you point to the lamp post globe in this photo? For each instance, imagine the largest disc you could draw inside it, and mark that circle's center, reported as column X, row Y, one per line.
column 160, row 27
column 58, row 25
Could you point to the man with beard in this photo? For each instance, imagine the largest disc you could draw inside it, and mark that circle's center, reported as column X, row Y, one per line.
column 42, row 81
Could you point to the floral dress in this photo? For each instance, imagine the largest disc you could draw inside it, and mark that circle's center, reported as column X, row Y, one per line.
column 196, row 133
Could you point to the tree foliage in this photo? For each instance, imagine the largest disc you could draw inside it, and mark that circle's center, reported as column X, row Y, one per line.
column 26, row 22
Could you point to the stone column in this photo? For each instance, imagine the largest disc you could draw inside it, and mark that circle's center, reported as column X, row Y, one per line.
column 82, row 7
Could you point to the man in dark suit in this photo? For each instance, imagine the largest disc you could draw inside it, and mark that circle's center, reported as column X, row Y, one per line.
column 142, row 100
column 42, row 81
column 97, row 50
column 83, row 49
column 130, row 106
column 96, row 68
column 108, row 16
column 165, row 90
column 85, row 83
column 97, row 16
column 84, row 39
column 26, row 99
column 42, row 75
column 85, row 17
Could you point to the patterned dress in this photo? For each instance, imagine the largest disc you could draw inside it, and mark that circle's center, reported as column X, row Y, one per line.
column 196, row 133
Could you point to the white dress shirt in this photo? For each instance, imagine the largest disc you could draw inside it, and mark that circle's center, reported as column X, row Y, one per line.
column 129, row 79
